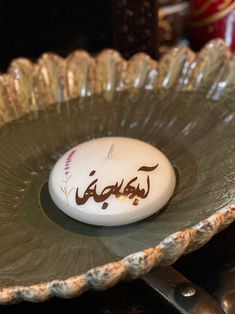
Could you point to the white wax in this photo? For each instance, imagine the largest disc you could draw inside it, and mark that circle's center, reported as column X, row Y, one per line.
column 112, row 181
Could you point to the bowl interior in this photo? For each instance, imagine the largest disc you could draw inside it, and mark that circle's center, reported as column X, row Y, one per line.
column 195, row 133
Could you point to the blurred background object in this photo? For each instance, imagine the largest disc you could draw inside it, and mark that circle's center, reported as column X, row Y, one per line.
column 135, row 27
column 211, row 19
column 172, row 17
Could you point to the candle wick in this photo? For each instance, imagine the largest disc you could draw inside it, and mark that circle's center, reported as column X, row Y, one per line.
column 110, row 153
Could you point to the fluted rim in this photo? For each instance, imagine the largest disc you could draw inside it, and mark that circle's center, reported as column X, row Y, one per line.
column 27, row 87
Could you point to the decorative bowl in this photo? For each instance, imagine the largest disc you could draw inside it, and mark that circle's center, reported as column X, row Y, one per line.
column 182, row 104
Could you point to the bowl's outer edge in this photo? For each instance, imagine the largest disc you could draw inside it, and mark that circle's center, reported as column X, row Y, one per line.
column 131, row 267
column 29, row 87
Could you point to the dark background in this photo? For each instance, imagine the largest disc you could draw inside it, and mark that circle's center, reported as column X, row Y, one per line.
column 29, row 28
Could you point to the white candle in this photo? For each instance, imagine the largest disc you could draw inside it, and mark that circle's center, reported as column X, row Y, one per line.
column 112, row 181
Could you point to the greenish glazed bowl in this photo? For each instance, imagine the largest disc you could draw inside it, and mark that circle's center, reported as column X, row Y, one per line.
column 184, row 105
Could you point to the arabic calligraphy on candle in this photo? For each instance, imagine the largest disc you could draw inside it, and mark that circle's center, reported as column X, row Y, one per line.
column 130, row 190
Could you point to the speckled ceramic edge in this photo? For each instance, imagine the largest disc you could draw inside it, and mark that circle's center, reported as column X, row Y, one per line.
column 131, row 267
column 29, row 87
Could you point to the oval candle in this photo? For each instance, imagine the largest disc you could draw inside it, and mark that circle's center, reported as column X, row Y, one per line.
column 112, row 181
